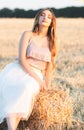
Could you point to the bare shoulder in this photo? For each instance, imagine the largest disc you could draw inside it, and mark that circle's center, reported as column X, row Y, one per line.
column 27, row 34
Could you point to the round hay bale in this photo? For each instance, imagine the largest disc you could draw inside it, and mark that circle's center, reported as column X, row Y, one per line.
column 50, row 108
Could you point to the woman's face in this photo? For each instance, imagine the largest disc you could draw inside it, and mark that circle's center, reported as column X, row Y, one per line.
column 45, row 18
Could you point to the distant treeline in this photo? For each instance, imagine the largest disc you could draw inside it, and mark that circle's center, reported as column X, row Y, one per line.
column 72, row 12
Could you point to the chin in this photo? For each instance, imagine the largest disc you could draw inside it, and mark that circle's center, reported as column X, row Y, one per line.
column 44, row 25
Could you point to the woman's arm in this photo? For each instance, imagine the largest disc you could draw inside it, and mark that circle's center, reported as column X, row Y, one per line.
column 48, row 74
column 23, row 59
column 49, row 68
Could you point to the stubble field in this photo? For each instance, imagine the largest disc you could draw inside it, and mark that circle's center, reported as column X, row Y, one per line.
column 69, row 73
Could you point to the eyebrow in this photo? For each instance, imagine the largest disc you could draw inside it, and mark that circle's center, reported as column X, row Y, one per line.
column 48, row 14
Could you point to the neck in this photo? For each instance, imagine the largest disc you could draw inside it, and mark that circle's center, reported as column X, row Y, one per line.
column 43, row 32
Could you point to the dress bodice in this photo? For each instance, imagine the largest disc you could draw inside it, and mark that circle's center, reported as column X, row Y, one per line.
column 38, row 55
column 38, row 52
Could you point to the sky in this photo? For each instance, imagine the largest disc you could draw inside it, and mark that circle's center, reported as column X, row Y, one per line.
column 37, row 4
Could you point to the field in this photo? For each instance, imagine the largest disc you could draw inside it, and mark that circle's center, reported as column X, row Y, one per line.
column 69, row 73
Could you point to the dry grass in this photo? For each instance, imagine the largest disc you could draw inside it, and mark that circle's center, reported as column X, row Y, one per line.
column 52, row 108
column 69, row 74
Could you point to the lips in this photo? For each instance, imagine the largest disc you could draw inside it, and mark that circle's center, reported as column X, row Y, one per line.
column 44, row 21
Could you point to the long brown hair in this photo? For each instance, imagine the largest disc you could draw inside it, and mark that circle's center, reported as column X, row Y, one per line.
column 51, row 32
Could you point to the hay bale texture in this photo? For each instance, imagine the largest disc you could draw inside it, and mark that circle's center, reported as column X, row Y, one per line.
column 52, row 108
column 52, row 111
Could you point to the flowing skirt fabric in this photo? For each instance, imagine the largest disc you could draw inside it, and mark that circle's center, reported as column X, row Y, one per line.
column 17, row 91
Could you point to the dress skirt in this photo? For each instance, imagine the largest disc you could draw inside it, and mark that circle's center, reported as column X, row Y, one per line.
column 17, row 91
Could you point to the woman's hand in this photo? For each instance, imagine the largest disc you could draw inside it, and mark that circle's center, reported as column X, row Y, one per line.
column 43, row 85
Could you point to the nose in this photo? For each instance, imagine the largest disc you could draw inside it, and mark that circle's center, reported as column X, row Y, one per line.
column 45, row 17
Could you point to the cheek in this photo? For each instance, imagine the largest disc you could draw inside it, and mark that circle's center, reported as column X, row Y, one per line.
column 49, row 22
column 40, row 20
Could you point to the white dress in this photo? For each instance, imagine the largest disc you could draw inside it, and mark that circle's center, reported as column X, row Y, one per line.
column 17, row 88
column 17, row 91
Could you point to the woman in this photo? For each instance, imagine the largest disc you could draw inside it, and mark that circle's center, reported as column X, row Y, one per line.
column 22, row 80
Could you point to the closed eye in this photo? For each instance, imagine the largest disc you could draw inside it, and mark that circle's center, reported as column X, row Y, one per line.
column 49, row 16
